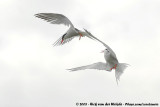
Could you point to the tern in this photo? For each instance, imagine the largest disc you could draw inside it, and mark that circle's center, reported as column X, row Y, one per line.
column 61, row 19
column 111, row 62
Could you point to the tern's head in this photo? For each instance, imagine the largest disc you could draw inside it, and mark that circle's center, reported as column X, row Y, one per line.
column 105, row 51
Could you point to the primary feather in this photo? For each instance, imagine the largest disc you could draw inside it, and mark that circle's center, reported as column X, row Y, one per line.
column 55, row 18
column 98, row 66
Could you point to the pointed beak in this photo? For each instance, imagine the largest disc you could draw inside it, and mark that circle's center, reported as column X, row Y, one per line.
column 102, row 51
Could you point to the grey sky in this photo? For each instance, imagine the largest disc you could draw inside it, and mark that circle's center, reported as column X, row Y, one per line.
column 33, row 72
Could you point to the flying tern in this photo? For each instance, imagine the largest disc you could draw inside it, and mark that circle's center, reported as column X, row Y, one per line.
column 61, row 19
column 111, row 62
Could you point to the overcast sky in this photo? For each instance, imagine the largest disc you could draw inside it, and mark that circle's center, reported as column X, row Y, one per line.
column 33, row 72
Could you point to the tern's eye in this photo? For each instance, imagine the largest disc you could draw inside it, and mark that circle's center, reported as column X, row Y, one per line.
column 107, row 50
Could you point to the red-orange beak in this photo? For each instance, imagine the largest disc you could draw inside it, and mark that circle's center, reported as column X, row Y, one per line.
column 102, row 51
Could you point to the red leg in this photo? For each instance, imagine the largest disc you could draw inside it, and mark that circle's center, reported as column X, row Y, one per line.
column 80, row 36
column 115, row 66
column 62, row 41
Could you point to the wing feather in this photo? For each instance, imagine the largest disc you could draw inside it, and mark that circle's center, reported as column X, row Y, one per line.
column 55, row 18
column 93, row 37
column 98, row 66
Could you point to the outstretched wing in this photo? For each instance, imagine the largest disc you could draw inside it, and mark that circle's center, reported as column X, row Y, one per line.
column 96, row 38
column 55, row 18
column 98, row 66
column 101, row 42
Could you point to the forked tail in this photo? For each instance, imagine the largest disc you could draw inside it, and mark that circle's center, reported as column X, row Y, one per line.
column 119, row 70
